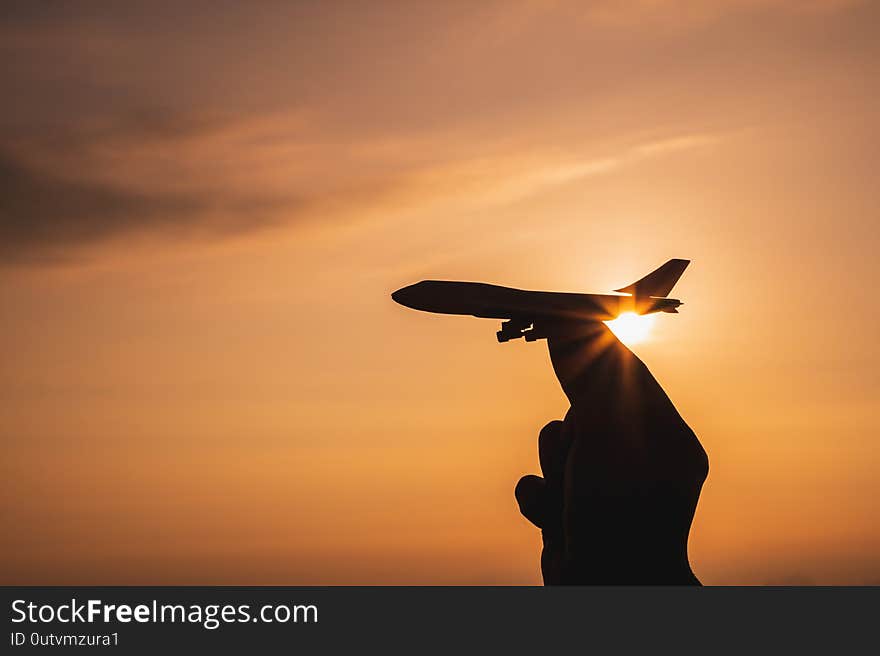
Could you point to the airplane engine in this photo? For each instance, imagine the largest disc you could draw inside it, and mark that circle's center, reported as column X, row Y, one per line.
column 513, row 329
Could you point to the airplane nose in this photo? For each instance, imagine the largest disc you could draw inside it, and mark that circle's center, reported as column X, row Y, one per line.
column 407, row 296
column 411, row 296
column 400, row 295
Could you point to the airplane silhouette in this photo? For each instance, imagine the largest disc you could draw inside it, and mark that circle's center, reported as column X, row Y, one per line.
column 529, row 313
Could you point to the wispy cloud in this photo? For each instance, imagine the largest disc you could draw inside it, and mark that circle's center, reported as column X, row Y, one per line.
column 178, row 133
column 211, row 176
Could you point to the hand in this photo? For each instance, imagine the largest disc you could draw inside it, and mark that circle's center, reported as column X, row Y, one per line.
column 622, row 473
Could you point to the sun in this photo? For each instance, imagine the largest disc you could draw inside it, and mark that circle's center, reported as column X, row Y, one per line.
column 631, row 328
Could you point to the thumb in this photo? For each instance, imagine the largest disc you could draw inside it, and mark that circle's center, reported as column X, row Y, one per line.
column 586, row 356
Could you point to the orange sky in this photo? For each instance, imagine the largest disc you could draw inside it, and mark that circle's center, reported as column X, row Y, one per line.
column 204, row 380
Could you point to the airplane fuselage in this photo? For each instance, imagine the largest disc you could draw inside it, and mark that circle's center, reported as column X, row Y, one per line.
column 493, row 301
column 530, row 314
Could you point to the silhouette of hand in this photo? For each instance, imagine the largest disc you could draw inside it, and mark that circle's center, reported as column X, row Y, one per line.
column 622, row 472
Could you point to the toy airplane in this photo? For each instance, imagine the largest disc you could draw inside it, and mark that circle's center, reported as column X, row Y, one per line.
column 526, row 312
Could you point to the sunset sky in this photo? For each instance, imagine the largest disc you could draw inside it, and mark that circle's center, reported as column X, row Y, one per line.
column 204, row 209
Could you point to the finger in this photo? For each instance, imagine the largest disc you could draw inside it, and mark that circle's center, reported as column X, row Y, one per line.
column 598, row 374
column 581, row 354
column 553, row 442
column 531, row 495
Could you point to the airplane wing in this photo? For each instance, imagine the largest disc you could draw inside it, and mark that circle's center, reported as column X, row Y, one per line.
column 659, row 282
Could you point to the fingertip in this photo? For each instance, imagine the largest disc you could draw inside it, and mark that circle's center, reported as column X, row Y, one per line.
column 552, row 449
column 530, row 493
column 550, row 432
column 564, row 330
column 527, row 486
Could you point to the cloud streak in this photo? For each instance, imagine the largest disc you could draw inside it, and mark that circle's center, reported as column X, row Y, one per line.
column 45, row 217
column 180, row 134
column 192, row 176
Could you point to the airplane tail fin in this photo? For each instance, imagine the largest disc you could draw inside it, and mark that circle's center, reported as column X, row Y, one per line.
column 659, row 282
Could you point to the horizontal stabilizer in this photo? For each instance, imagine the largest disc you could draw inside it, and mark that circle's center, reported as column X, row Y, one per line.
column 658, row 283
